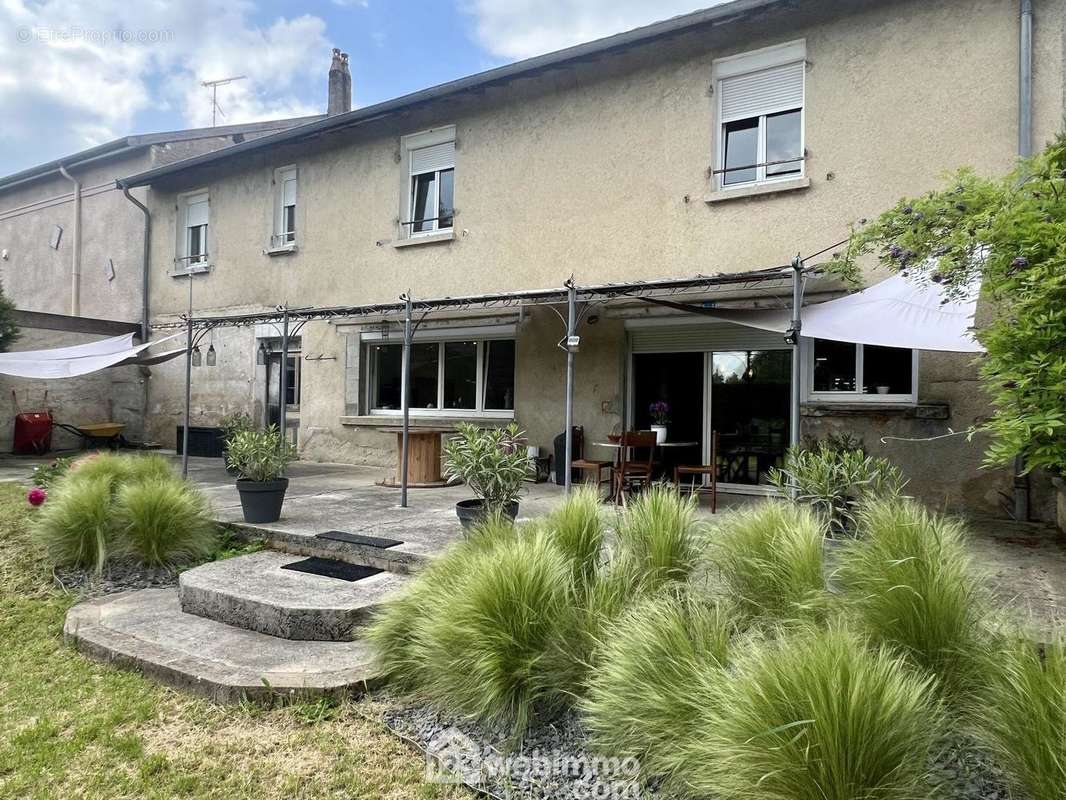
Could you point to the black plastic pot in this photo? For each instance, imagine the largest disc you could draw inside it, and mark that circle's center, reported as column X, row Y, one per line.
column 471, row 512
column 261, row 501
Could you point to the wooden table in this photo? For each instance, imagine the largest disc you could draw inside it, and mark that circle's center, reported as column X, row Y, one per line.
column 423, row 457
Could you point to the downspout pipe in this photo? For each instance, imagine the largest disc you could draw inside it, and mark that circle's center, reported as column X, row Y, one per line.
column 146, row 259
column 1020, row 493
column 146, row 273
column 75, row 265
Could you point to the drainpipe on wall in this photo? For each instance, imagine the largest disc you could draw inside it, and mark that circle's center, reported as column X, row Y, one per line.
column 75, row 266
column 1025, row 149
column 146, row 274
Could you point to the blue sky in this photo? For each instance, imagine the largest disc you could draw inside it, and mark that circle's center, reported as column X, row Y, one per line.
column 74, row 73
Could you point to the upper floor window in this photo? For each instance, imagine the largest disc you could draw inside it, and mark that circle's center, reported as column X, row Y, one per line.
column 850, row 372
column 430, row 181
column 192, row 230
column 760, row 115
column 284, row 207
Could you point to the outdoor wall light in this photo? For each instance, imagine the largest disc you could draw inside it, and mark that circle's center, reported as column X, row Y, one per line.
column 211, row 356
column 261, row 354
column 196, row 357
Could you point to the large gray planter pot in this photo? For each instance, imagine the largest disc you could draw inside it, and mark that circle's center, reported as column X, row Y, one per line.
column 472, row 512
column 261, row 501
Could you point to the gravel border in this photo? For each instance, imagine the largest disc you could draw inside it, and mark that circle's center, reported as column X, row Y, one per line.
column 962, row 770
column 117, row 576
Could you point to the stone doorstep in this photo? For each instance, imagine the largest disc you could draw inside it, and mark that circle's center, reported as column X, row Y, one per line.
column 253, row 592
column 147, row 631
column 391, row 559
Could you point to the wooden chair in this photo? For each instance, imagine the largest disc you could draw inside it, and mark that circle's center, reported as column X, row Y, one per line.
column 701, row 470
column 594, row 471
column 634, row 472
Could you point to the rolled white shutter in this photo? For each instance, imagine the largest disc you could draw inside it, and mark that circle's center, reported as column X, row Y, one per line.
column 196, row 211
column 433, row 158
column 714, row 336
column 764, row 92
column 288, row 190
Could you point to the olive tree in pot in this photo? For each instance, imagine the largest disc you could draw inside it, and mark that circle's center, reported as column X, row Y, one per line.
column 260, row 459
column 493, row 463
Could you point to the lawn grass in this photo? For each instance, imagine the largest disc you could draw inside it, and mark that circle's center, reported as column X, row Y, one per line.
column 73, row 728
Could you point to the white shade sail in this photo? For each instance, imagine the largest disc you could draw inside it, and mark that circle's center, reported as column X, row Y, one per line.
column 892, row 313
column 69, row 362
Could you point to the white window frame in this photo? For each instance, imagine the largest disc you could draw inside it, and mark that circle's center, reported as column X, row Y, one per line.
column 370, row 339
column 409, row 144
column 856, row 396
column 744, row 64
column 278, row 238
column 182, row 262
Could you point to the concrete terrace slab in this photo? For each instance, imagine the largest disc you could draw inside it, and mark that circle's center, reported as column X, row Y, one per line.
column 147, row 630
column 255, row 592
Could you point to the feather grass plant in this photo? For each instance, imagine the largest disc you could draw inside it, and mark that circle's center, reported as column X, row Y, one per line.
column 815, row 714
column 577, row 528
column 910, row 582
column 660, row 534
column 76, row 523
column 771, row 560
column 1019, row 714
column 642, row 697
column 162, row 521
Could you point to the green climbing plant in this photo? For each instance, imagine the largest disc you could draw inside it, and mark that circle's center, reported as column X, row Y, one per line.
column 1010, row 233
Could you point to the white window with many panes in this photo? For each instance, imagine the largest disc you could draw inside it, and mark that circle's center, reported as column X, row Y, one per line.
column 759, row 101
column 428, row 201
column 468, row 375
column 845, row 372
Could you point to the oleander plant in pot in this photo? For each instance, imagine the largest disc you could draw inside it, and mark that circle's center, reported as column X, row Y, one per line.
column 231, row 425
column 260, row 458
column 493, row 462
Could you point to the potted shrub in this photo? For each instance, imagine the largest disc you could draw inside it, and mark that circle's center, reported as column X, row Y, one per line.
column 231, row 425
column 660, row 417
column 493, row 462
column 260, row 459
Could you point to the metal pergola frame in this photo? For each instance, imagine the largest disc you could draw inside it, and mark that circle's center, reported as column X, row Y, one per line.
column 652, row 291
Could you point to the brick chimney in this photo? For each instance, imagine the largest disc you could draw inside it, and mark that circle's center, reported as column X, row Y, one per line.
column 340, row 85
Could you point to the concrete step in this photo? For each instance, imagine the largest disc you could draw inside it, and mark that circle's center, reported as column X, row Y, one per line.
column 402, row 559
column 146, row 630
column 256, row 593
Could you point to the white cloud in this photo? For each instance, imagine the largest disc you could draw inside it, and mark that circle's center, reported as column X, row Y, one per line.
column 515, row 29
column 74, row 73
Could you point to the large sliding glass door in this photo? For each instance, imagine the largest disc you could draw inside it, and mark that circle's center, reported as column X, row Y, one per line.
column 749, row 398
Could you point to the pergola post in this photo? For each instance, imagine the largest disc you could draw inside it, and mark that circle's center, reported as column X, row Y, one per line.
column 795, row 326
column 571, row 325
column 283, row 387
column 188, row 388
column 405, row 398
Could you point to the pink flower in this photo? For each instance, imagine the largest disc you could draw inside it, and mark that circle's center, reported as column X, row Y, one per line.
column 36, row 496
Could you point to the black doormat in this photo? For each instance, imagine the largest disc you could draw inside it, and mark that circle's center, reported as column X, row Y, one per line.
column 358, row 538
column 330, row 568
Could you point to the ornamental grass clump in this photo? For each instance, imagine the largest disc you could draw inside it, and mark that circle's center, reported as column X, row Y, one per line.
column 577, row 528
column 110, row 505
column 485, row 641
column 909, row 582
column 1019, row 714
column 76, row 524
column 659, row 533
column 770, row 559
column 643, row 696
column 160, row 521
column 815, row 714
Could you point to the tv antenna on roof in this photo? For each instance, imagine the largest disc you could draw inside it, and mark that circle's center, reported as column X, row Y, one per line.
column 213, row 86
